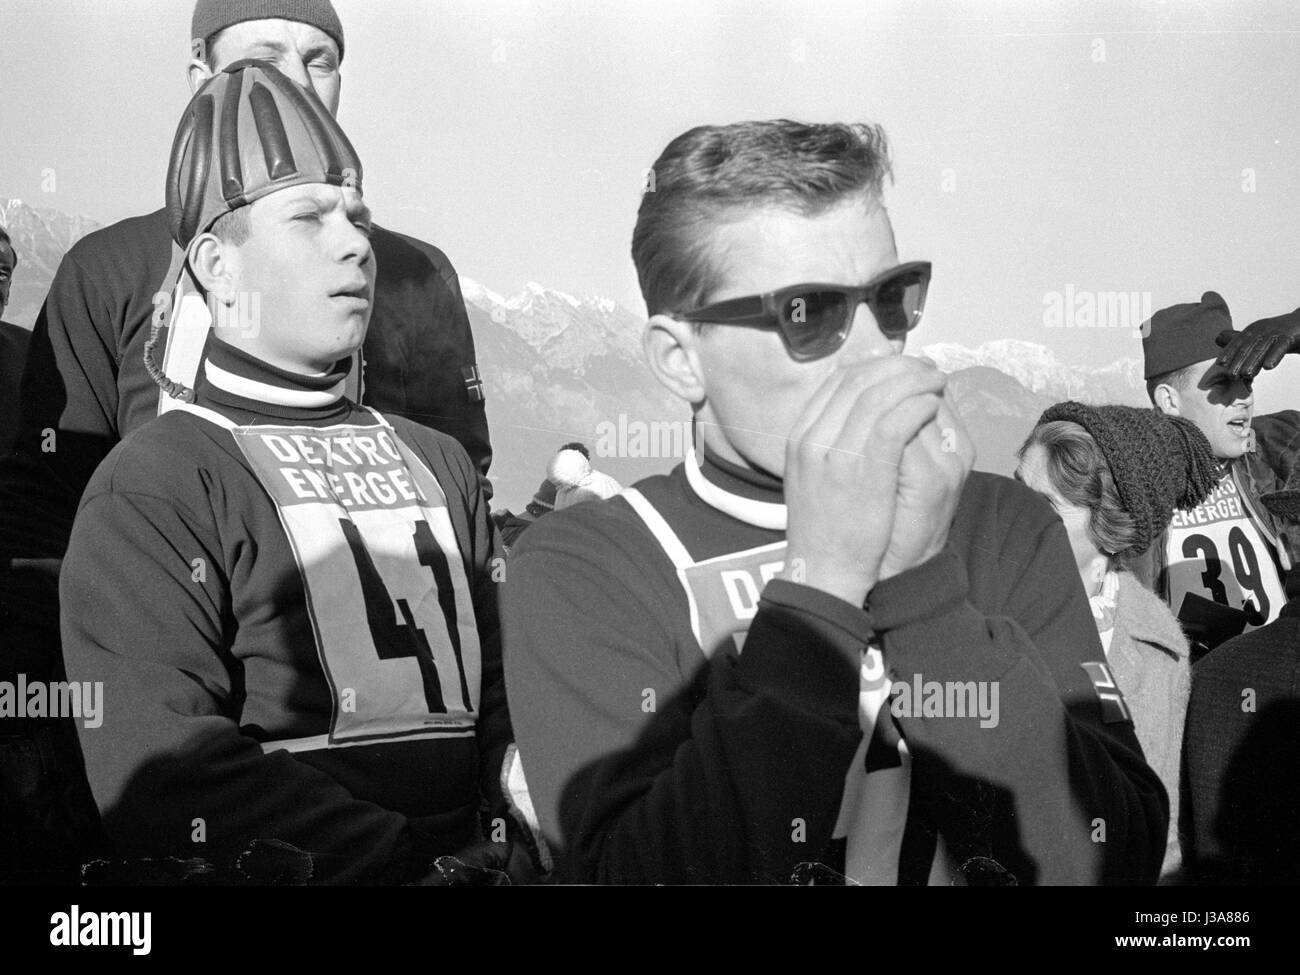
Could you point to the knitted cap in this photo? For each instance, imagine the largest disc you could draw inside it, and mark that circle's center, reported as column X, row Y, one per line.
column 1181, row 335
column 1159, row 462
column 213, row 16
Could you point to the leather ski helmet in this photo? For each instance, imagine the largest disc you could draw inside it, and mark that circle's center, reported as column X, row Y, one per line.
column 248, row 132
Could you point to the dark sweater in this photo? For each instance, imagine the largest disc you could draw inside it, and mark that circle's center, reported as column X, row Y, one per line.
column 647, row 764
column 181, row 591
column 13, row 355
column 1243, row 756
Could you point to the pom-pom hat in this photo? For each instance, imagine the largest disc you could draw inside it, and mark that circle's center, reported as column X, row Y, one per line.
column 571, row 472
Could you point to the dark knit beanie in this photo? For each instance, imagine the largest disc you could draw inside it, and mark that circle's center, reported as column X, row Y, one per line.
column 213, row 16
column 1181, row 335
column 1159, row 462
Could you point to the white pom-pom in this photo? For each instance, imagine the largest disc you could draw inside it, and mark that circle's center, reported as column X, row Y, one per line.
column 568, row 468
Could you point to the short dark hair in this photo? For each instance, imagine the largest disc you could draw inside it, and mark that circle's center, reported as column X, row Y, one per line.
column 1078, row 471
column 234, row 227
column 1177, row 378
column 717, row 173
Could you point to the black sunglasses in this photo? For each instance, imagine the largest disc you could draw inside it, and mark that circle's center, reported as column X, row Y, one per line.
column 815, row 319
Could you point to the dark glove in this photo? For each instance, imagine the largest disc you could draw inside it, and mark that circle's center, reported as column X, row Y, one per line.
column 484, row 864
column 481, row 864
column 1262, row 345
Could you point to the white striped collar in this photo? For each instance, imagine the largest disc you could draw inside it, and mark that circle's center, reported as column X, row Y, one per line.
column 255, row 389
column 760, row 514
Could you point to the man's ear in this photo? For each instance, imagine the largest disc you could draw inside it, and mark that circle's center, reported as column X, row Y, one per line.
column 1167, row 401
column 672, row 350
column 213, row 264
column 198, row 72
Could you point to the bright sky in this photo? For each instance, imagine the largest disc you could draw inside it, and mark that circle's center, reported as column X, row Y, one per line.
column 1039, row 146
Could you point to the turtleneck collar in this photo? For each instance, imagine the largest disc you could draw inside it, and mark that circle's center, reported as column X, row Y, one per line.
column 751, row 496
column 236, row 380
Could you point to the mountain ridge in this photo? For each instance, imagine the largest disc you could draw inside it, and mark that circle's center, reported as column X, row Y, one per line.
column 557, row 367
column 41, row 236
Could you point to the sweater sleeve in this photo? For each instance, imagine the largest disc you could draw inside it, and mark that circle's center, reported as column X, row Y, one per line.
column 419, row 349
column 486, row 568
column 70, row 382
column 1074, row 800
column 146, row 611
column 471, row 425
column 643, row 774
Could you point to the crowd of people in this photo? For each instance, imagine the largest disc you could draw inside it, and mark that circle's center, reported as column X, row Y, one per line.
column 822, row 649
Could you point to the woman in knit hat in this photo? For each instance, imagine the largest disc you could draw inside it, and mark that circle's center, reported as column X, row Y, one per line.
column 1115, row 474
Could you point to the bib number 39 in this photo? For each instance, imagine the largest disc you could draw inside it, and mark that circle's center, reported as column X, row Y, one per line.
column 1245, row 568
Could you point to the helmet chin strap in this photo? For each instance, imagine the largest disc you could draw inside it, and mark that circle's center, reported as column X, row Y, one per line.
column 187, row 327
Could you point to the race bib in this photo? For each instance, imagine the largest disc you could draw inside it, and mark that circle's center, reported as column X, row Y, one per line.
column 1215, row 551
column 386, row 587
column 724, row 593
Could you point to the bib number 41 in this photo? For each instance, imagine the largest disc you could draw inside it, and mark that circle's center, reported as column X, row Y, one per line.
column 395, row 639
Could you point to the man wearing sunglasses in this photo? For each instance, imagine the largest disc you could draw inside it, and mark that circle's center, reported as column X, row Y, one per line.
column 829, row 522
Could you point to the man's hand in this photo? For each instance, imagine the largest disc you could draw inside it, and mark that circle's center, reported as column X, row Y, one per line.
column 1262, row 345
column 933, row 470
column 842, row 473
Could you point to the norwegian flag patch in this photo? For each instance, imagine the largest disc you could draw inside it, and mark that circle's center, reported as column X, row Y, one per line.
column 473, row 384
column 1113, row 708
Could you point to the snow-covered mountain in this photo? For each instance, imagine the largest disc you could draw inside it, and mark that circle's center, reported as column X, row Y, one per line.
column 41, row 236
column 564, row 330
column 1036, row 367
column 558, row 367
